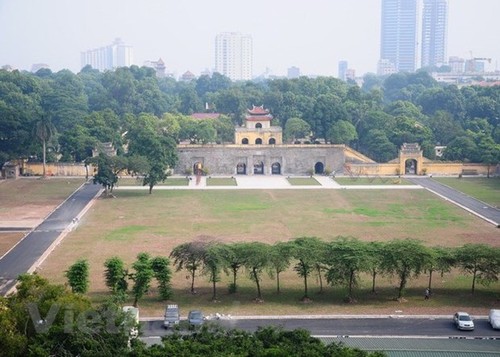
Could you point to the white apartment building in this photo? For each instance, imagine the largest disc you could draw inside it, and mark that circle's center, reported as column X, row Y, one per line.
column 233, row 55
column 118, row 54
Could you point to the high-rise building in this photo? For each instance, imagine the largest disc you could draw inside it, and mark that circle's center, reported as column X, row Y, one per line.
column 434, row 32
column 233, row 55
column 118, row 54
column 398, row 43
column 293, row 72
column 343, row 70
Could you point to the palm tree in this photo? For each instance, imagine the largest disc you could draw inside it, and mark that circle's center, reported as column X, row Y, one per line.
column 44, row 130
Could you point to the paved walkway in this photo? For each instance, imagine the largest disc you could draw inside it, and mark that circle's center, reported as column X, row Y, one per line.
column 276, row 182
column 479, row 208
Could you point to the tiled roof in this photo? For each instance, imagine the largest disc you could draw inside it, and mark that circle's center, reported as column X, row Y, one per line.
column 205, row 115
column 258, row 110
column 259, row 118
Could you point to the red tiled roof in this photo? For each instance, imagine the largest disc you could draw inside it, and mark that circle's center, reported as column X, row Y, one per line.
column 259, row 118
column 205, row 115
column 258, row 110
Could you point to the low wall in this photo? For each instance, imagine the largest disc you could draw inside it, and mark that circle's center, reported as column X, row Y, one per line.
column 428, row 168
column 56, row 169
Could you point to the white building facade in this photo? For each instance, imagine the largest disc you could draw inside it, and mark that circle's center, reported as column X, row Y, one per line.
column 118, row 54
column 434, row 32
column 233, row 55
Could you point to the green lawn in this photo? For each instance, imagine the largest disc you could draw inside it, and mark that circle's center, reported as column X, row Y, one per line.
column 484, row 189
column 170, row 181
column 221, row 181
column 345, row 181
column 303, row 181
column 136, row 222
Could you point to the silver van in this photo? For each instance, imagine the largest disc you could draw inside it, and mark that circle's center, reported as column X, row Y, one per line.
column 172, row 316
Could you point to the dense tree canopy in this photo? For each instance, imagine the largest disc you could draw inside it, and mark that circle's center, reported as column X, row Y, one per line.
column 90, row 107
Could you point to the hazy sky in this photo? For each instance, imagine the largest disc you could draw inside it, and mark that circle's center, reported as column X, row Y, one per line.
column 310, row 34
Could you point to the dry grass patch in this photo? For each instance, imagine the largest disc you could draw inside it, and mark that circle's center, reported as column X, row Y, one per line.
column 31, row 199
column 137, row 222
column 8, row 240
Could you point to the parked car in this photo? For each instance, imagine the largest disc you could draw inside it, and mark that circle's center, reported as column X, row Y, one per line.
column 172, row 316
column 195, row 318
column 133, row 320
column 463, row 321
column 494, row 318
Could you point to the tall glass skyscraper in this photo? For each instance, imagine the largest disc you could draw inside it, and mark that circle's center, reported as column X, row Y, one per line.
column 434, row 32
column 233, row 55
column 398, row 43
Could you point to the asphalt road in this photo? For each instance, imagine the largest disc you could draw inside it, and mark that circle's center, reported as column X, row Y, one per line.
column 479, row 208
column 399, row 326
column 29, row 250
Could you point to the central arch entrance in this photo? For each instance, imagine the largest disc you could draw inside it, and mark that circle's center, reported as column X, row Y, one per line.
column 276, row 168
column 241, row 169
column 411, row 167
column 258, row 168
column 319, row 168
column 198, row 169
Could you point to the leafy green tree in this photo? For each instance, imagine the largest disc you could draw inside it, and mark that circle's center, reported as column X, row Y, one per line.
column 42, row 319
column 462, row 148
column 78, row 276
column 405, row 259
column 378, row 146
column 213, row 264
column 148, row 140
column 342, row 132
column 308, row 253
column 189, row 256
column 346, row 257
column 224, row 128
column 441, row 260
column 142, row 276
column 212, row 341
column 328, row 109
column 163, row 275
column 44, row 130
column 280, row 256
column 235, row 259
column 20, row 103
column 115, row 275
column 257, row 259
column 296, row 128
column 444, row 127
column 374, row 260
column 65, row 99
column 481, row 261
column 108, row 168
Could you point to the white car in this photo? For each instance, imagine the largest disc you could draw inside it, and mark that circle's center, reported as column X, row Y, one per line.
column 494, row 318
column 463, row 321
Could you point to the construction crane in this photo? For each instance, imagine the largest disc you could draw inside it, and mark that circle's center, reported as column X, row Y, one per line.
column 482, row 59
column 479, row 58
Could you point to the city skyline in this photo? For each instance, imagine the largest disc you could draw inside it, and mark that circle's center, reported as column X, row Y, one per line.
column 434, row 32
column 312, row 36
column 398, row 40
column 233, row 55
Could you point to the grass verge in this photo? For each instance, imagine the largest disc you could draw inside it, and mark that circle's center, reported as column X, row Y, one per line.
column 221, row 181
column 303, row 181
column 484, row 189
column 345, row 181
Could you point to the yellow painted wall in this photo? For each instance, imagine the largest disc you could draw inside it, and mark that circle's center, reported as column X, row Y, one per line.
column 253, row 134
column 425, row 168
column 56, row 169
